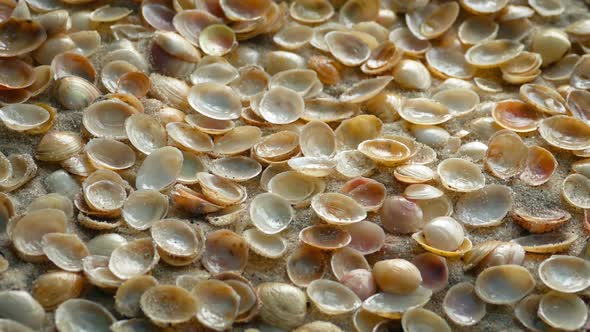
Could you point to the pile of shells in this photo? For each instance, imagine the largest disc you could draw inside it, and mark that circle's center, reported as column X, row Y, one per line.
column 245, row 164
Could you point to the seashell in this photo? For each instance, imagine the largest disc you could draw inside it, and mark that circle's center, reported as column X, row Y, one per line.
column 578, row 77
column 475, row 151
column 486, row 207
column 477, row 29
column 72, row 64
column 361, row 282
column 347, row 48
column 406, row 41
column 301, row 81
column 134, row 325
column 103, row 245
column 225, row 251
column 283, row 305
column 355, row 11
column 526, row 313
column 313, row 166
column 77, row 314
column 169, row 114
column 546, row 243
column 87, row 42
column 422, row 240
column 58, row 146
column 53, row 46
column 317, row 139
column 575, row 189
column 562, row 69
column 318, row 326
column 97, row 272
column 277, row 147
column 365, row 89
column 332, row 298
column 249, row 305
column 151, row 175
column 435, row 207
column 192, row 165
column 458, row 174
column 109, row 14
column 128, row 295
column 337, row 209
column 62, row 183
column 433, row 270
column 328, row 110
column 171, row 91
column 20, row 36
column 27, row 243
column 237, row 140
column 423, row 111
column 158, row 14
column 397, row 276
column 540, row 166
column 20, row 307
column 325, row 237
column 418, row 318
column 113, row 71
column 577, row 102
column 367, row 192
column 543, row 98
column 221, row 73
column 27, row 118
column 393, row 306
column 221, row 191
column 448, row 63
column 346, row 260
column 106, row 118
column 506, row 155
column 459, row 101
column 388, row 152
column 365, row 321
column 493, row 53
column 476, row 7
column 215, row 101
column 217, row 39
column 326, row 68
column 366, row 237
column 353, row 163
column 278, row 61
column 411, row 74
column 565, row 274
column 293, row 36
column 66, row 251
column 189, row 23
column 104, row 196
column 100, row 221
column 547, row 8
column 565, row 132
column 227, row 216
column 487, row 85
column 235, row 168
column 7, row 210
column 252, row 81
column 270, row 213
column 551, row 311
column 145, row 133
column 109, row 154
column 516, row 116
column 305, row 265
column 281, row 105
column 43, row 77
column 413, row 173
column 550, row 44
column 167, row 305
column 504, row 284
column 220, row 313
column 311, row 11
column 53, row 288
column 177, row 242
column 75, row 93
column 422, row 192
column 400, row 215
column 188, row 138
column 266, row 245
column 125, row 263
column 541, row 221
column 463, row 306
column 192, row 201
column 16, row 74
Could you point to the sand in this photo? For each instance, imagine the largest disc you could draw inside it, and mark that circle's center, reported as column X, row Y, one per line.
column 499, row 318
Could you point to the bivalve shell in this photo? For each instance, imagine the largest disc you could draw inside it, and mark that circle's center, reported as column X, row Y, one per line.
column 493, row 53
column 463, row 306
column 225, row 251
column 417, row 319
column 338, row 209
column 79, row 314
column 134, row 258
column 504, row 284
column 53, row 288
column 305, row 265
column 565, row 132
column 266, row 245
column 393, row 306
column 178, row 243
column 160, row 169
column 506, row 155
column 21, row 307
column 167, row 305
column 486, row 207
column 565, row 274
column 283, row 305
column 66, row 251
column 563, row 311
column 128, row 295
column 332, row 298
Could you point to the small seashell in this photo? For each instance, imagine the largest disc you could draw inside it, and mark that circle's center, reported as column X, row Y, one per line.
column 355, row 11
column 433, row 270
column 252, row 81
column 565, row 274
column 53, row 288
column 106, row 118
column 97, row 272
column 385, row 151
column 177, row 242
column 365, row 89
column 367, row 192
column 546, row 243
column 547, row 8
column 443, row 232
column 113, row 71
column 486, row 207
column 28, row 243
column 506, row 155
column 565, row 132
column 293, row 36
column 225, row 251
column 134, row 325
column 448, row 63
column 283, row 305
column 167, row 305
column 237, row 140
column 125, row 263
column 145, row 133
column 361, row 282
column 411, row 74
column 270, row 213
column 128, row 295
column 221, row 191
column 397, row 276
column 367, row 237
column 365, row 321
column 338, row 209
column 576, row 190
column 311, row 11
column 516, row 116
column 504, row 284
column 400, row 215
column 347, row 48
column 477, row 29
column 422, row 192
column 463, row 306
column 305, row 265
column 109, row 154
column 394, row 305
column 540, row 166
column 281, row 105
column 278, row 61
column 325, row 237
column 418, row 318
column 58, row 146
column 297, row 188
column 78, row 314
column 217, row 39
column 66, row 251
column 151, row 175
column 26, row 118
column 562, row 311
column 460, row 175
column 103, row 245
column 526, row 313
column 215, row 101
column 266, row 245
column 540, row 221
column 332, row 298
column 578, row 77
column 21, row 307
column 493, row 53
column 25, row 36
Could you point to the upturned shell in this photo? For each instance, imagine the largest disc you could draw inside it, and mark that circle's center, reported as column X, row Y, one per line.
column 460, row 175
column 433, row 269
column 463, row 306
column 562, row 311
column 266, row 245
column 97, row 272
column 504, row 284
column 221, row 191
column 109, row 154
column 565, row 132
column 65, row 250
column 423, row 111
column 105, row 244
column 106, row 118
column 134, row 258
column 145, row 133
column 338, row 209
column 493, row 53
column 506, row 155
column 311, row 11
column 486, row 207
column 167, row 305
column 305, row 265
column 20, row 36
column 526, row 313
column 394, row 305
column 178, row 243
column 418, row 319
column 225, row 251
column 237, row 140
column 283, row 305
column 347, row 48
column 128, row 295
column 27, row 234
column 270, row 213
column 576, row 190
column 160, row 169
column 367, row 237
column 565, row 274
column 79, row 314
column 332, row 298
column 516, row 116
column 325, row 237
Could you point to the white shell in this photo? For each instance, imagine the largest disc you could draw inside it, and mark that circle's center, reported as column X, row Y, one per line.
column 486, row 207
column 332, row 298
column 160, row 169
column 270, row 213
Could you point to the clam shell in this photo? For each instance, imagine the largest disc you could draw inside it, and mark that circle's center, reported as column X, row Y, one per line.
column 486, row 207
column 97, row 272
column 385, row 151
column 577, row 102
column 160, row 169
column 281, row 105
column 171, row 91
column 283, row 184
column 347, row 48
column 209, row 125
column 367, row 237
column 325, row 237
column 418, row 318
column 237, row 140
column 7, row 210
column 143, row 207
column 109, row 154
column 433, row 270
column 48, row 201
column 576, row 190
column 221, row 191
column 217, row 39
column 541, row 221
column 526, row 313
column 189, row 23
column 58, row 146
column 540, row 166
column 332, row 298
column 64, row 250
column 547, row 8
column 352, row 132
column 28, row 232
column 328, row 110
column 406, row 41
column 423, row 111
column 355, row 11
column 106, row 118
column 347, row 259
column 383, row 58
column 493, row 53
column 565, row 274
column 266, row 245
column 134, row 325
column 78, row 314
column 504, row 284
column 411, row 74
column 283, row 305
column 21, row 307
column 104, row 244
column 222, row 73
column 16, row 73
column 145, row 133
column 462, row 306
column 301, row 81
column 128, row 295
column 113, row 71
column 252, row 81
column 278, row 61
column 565, row 132
column 353, row 163
column 562, row 311
column 24, row 117
column 192, row 201
column 311, row 11
column 421, row 191
column 477, row 29
column 177, row 242
column 305, row 265
column 365, row 89
column 270, row 213
column 365, row 321
column 104, row 196
column 465, row 246
column 235, row 168
column 215, row 101
column 72, row 64
column 53, row 288
column 516, row 116
column 400, row 215
column 338, row 209
column 189, row 138
column 578, row 77
column 167, row 305
column 227, row 216
column 225, row 251
column 367, row 192
column 317, row 139
column 293, row 36
column 158, row 14
column 545, row 243
column 460, row 175
column 75, row 93
column 21, row 36
column 217, row 304
column 448, row 63
column 249, row 302
column 395, row 305
column 506, row 155
column 459, row 101
column 126, row 262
